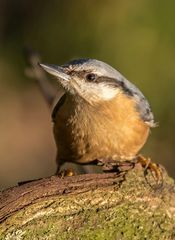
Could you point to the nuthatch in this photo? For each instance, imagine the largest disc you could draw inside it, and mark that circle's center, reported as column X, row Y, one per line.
column 101, row 115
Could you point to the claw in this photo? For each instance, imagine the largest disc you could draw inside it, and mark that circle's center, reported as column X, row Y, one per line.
column 155, row 169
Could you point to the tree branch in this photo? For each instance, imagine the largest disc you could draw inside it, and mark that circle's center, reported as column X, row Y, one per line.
column 90, row 206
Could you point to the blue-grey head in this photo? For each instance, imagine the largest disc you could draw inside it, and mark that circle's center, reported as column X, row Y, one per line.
column 93, row 81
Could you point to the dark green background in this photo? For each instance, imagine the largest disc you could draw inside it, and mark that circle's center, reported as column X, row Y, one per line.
column 136, row 37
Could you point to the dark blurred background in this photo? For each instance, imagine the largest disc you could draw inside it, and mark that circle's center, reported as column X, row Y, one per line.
column 136, row 37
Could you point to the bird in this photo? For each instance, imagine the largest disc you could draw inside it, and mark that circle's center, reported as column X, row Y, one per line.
column 101, row 114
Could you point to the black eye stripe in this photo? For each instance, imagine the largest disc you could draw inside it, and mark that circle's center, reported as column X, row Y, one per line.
column 115, row 83
column 92, row 77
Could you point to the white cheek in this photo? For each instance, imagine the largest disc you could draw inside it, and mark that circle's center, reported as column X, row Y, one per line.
column 98, row 91
column 107, row 93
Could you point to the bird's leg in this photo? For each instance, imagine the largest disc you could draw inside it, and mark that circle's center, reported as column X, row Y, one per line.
column 153, row 167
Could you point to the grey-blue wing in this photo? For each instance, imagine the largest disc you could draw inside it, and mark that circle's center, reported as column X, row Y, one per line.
column 142, row 104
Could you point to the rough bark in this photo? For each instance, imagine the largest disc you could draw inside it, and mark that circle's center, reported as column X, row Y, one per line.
column 91, row 206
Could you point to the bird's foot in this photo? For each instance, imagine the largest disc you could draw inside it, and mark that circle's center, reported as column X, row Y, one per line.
column 154, row 168
column 65, row 173
column 109, row 165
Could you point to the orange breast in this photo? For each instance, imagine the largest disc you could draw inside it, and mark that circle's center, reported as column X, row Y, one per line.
column 111, row 129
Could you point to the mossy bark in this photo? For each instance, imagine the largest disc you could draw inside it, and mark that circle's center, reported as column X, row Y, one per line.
column 93, row 206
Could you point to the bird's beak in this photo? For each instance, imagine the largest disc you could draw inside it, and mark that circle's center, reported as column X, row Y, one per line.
column 56, row 71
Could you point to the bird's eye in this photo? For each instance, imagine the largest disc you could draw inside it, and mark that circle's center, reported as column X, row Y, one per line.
column 91, row 77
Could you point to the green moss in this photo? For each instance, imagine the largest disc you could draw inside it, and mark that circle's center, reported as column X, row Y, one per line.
column 121, row 222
